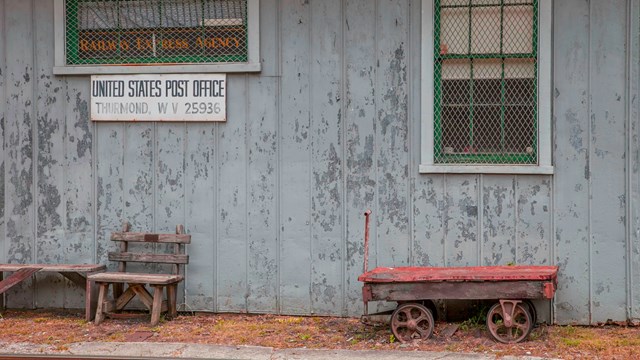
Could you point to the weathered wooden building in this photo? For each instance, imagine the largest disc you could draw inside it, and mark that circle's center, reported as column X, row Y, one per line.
column 330, row 113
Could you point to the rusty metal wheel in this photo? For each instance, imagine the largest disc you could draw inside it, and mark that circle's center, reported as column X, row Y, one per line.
column 509, row 321
column 532, row 311
column 411, row 321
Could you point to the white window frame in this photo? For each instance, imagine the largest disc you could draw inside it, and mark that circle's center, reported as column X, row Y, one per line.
column 544, row 165
column 252, row 64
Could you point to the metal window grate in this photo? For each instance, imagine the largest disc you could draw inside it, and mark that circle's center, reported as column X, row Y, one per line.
column 485, row 71
column 155, row 31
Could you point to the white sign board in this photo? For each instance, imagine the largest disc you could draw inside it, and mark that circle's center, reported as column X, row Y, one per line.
column 162, row 97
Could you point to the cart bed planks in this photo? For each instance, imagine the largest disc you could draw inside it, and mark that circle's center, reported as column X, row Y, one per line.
column 509, row 321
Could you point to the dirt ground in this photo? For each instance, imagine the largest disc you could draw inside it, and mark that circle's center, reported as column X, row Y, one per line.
column 60, row 328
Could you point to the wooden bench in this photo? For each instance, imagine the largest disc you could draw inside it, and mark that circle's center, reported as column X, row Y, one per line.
column 136, row 281
column 77, row 273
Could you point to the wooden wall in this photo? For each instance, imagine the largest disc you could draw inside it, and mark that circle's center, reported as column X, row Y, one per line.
column 274, row 197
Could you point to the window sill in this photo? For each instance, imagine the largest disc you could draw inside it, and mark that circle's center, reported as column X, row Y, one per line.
column 155, row 69
column 487, row 169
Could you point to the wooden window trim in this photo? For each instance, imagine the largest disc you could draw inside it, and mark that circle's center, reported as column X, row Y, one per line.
column 544, row 161
column 252, row 65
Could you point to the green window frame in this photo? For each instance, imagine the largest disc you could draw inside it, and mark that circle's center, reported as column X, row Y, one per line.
column 115, row 45
column 507, row 124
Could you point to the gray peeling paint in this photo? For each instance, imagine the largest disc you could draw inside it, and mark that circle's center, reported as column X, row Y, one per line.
column 274, row 197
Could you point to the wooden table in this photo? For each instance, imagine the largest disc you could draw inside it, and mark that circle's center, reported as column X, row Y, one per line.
column 77, row 273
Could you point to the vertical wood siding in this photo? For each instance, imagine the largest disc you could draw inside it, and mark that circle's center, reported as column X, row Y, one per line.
column 274, row 197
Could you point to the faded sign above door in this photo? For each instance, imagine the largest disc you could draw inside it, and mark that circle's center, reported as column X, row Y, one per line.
column 162, row 97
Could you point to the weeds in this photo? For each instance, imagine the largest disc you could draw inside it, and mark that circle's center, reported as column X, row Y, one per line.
column 476, row 321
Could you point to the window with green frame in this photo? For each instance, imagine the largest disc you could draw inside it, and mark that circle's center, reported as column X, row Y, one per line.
column 111, row 32
column 485, row 82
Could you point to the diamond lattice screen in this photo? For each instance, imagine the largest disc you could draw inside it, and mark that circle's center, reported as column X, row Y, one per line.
column 485, row 67
column 155, row 31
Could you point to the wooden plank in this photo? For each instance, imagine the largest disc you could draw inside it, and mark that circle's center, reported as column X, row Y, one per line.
column 269, row 39
column 360, row 38
column 84, row 268
column 607, row 157
column 262, row 180
column 144, row 295
column 19, row 143
column 151, row 238
column 294, row 164
column 499, row 220
column 102, row 297
column 171, row 301
column 170, row 142
column 200, row 197
column 391, row 138
column 149, row 258
column 50, row 160
column 428, row 219
column 78, row 167
column 326, row 158
column 462, row 242
column 122, row 300
column 1, row 280
column 139, row 185
column 75, row 278
column 91, row 299
column 79, row 245
column 633, row 252
column 109, row 187
column 3, row 109
column 171, row 185
column 231, row 217
column 427, row 189
column 571, row 158
column 16, row 278
column 474, row 273
column 154, row 279
column 460, row 290
column 156, row 306
column 534, row 235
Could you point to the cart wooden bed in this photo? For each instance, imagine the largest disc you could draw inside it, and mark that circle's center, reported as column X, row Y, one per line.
column 509, row 320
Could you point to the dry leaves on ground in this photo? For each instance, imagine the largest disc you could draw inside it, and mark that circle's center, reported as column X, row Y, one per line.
column 61, row 328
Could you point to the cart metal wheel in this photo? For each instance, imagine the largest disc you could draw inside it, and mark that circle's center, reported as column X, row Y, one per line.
column 509, row 321
column 411, row 321
column 532, row 311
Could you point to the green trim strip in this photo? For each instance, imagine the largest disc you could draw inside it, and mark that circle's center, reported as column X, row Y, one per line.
column 503, row 157
column 485, row 5
column 72, row 42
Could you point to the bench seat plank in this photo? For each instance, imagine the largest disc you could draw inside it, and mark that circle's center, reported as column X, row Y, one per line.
column 136, row 278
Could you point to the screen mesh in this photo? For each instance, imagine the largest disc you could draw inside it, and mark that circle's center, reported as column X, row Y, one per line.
column 485, row 71
column 155, row 31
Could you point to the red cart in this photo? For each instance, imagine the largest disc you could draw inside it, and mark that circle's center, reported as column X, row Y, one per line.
column 509, row 320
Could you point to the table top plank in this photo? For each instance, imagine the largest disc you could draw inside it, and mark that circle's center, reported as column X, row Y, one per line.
column 81, row 268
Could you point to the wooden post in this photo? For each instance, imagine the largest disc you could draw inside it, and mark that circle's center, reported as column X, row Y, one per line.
column 156, row 308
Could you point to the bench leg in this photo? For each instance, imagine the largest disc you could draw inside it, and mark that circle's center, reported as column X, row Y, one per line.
column 171, row 299
column 156, row 308
column 1, row 294
column 91, row 299
column 102, row 297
